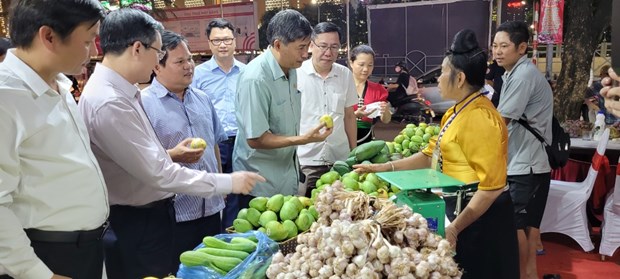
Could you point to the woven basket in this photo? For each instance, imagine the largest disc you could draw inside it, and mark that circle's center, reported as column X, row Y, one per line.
column 286, row 247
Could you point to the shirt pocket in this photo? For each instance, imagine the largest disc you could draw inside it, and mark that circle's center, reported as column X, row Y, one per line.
column 337, row 103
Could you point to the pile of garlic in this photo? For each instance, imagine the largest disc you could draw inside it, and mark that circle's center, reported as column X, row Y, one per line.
column 361, row 237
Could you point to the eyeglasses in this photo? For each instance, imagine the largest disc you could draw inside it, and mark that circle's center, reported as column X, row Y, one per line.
column 324, row 48
column 226, row 41
column 160, row 53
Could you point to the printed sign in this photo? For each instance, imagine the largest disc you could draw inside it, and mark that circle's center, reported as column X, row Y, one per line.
column 551, row 21
column 192, row 23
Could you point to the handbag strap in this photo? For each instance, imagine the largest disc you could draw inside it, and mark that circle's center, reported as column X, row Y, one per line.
column 529, row 128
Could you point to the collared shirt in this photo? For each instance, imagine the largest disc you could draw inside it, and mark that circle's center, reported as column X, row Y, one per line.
column 49, row 178
column 526, row 92
column 221, row 88
column 268, row 101
column 137, row 169
column 465, row 157
column 173, row 121
column 325, row 96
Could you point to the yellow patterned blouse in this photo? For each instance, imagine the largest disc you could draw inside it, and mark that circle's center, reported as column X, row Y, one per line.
column 475, row 146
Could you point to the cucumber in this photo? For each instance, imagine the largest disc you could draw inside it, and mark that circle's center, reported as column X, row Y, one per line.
column 196, row 258
column 213, row 242
column 193, row 258
column 225, row 253
column 216, row 269
column 235, row 240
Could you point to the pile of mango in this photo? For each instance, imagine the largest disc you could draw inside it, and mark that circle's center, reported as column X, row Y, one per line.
column 279, row 217
column 220, row 255
column 369, row 183
column 412, row 139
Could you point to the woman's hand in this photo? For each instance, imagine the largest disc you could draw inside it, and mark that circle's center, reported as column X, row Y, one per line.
column 452, row 235
column 386, row 114
column 361, row 112
column 366, row 168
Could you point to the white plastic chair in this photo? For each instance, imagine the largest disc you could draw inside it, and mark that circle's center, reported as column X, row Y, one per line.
column 565, row 211
column 610, row 229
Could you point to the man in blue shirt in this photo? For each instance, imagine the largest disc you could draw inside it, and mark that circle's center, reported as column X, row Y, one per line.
column 218, row 79
column 179, row 113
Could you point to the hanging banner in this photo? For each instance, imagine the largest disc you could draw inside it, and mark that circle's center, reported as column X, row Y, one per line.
column 551, row 21
column 192, row 24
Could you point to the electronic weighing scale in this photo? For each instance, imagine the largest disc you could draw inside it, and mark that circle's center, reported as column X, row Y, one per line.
column 415, row 186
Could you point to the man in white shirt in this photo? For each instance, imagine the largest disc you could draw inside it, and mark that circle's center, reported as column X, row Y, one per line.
column 53, row 199
column 140, row 175
column 326, row 88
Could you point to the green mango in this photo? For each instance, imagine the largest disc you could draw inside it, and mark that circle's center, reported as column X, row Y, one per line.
column 297, row 203
column 329, row 177
column 368, row 187
column 289, row 211
column 259, row 203
column 313, row 212
column 242, row 225
column 373, row 178
column 242, row 214
column 276, row 231
column 275, row 202
column 266, row 217
column 350, row 183
column 253, row 215
column 304, row 222
column 291, row 228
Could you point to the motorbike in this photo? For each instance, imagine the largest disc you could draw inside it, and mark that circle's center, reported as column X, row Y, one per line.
column 412, row 109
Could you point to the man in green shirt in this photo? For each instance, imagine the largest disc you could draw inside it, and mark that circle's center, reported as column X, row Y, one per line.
column 268, row 109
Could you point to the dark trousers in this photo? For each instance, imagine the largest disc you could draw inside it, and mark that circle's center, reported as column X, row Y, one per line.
column 232, row 204
column 144, row 241
column 244, row 201
column 82, row 258
column 313, row 174
column 188, row 234
column 488, row 248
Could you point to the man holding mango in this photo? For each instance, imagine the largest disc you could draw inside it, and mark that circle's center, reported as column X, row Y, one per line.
column 327, row 89
column 268, row 109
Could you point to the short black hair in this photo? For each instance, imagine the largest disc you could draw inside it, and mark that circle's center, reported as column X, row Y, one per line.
column 518, row 31
column 326, row 27
column 5, row 44
column 361, row 49
column 62, row 16
column 125, row 26
column 465, row 55
column 219, row 23
column 170, row 40
column 288, row 26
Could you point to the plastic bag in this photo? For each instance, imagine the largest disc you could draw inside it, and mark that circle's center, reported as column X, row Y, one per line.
column 254, row 266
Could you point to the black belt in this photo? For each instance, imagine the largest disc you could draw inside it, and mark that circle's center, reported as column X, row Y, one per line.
column 230, row 139
column 36, row 235
column 159, row 203
column 155, row 204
